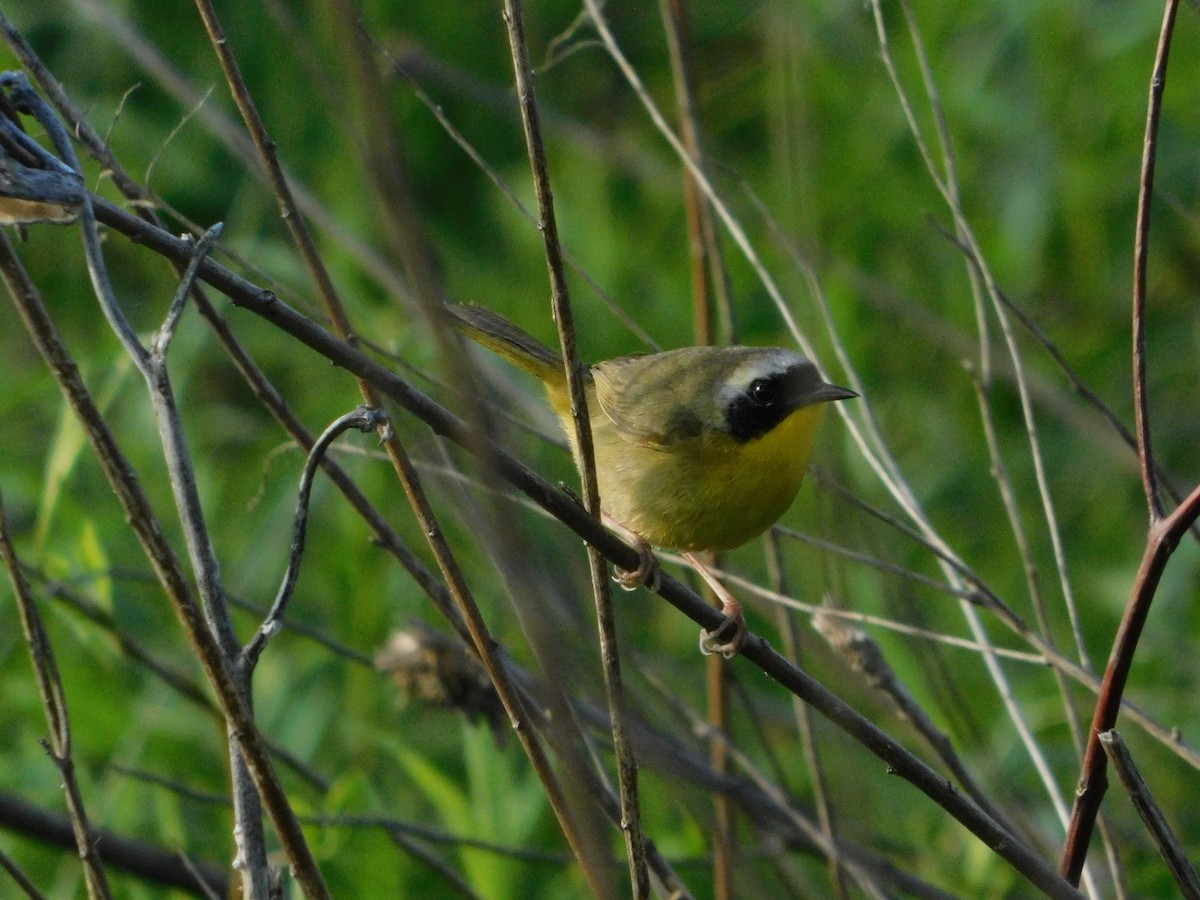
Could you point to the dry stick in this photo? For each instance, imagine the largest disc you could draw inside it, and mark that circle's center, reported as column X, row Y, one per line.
column 1008, row 616
column 585, row 457
column 557, row 723
column 860, row 652
column 149, row 862
column 54, row 702
column 151, row 363
column 121, row 478
column 710, row 278
column 484, row 644
column 258, row 383
column 982, row 280
column 404, row 834
column 1164, row 533
column 501, row 185
column 1004, row 485
column 175, row 680
column 862, row 864
column 364, row 420
column 1127, row 437
column 569, row 512
column 790, row 633
column 982, row 272
column 385, row 536
column 710, row 295
column 1161, row 542
column 1164, row 838
column 9, row 865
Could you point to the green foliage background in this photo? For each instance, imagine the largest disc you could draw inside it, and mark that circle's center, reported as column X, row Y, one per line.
column 1046, row 107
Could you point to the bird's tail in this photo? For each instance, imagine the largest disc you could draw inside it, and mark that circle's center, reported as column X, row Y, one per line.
column 501, row 336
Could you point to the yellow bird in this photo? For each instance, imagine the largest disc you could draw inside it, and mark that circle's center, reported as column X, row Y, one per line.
column 697, row 449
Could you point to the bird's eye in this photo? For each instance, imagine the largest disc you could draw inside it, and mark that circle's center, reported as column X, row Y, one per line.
column 764, row 392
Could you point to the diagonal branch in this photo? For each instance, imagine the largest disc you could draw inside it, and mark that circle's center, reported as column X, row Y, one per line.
column 54, row 701
column 1164, row 533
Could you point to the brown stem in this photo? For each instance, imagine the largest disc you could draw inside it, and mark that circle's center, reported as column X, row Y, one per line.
column 585, row 458
column 1141, row 247
column 1163, row 536
column 1093, row 780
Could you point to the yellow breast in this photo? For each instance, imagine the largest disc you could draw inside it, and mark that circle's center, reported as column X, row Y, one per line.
column 713, row 493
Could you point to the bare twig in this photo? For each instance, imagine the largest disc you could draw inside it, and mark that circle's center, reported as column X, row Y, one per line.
column 152, row 364
column 120, row 475
column 585, row 455
column 1141, row 251
column 401, row 463
column 1164, row 533
column 864, row 655
column 790, row 633
column 54, row 702
column 146, row 861
column 1093, row 782
column 982, row 285
column 363, row 419
column 9, row 865
column 1169, row 847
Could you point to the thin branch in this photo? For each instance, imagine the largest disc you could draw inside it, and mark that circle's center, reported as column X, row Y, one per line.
column 140, row 515
column 161, row 342
column 1164, row 534
column 152, row 364
column 401, row 463
column 584, row 451
column 983, row 284
column 864, row 655
column 363, row 419
column 1093, row 781
column 1141, row 251
column 146, row 861
column 790, row 633
column 9, row 865
column 1169, row 847
column 54, row 702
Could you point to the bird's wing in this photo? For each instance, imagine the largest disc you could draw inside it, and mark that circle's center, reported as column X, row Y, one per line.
column 644, row 410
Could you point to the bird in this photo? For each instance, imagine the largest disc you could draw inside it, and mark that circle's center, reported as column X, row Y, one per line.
column 697, row 449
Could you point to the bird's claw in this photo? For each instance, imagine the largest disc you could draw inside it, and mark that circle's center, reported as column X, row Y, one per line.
column 713, row 641
column 646, row 573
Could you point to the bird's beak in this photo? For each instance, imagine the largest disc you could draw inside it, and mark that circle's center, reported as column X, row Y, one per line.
column 827, row 393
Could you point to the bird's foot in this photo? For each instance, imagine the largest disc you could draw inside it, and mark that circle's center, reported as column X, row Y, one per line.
column 646, row 573
column 728, row 637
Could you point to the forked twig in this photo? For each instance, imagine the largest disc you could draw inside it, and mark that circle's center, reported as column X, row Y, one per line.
column 1165, row 532
column 364, row 419
column 209, row 628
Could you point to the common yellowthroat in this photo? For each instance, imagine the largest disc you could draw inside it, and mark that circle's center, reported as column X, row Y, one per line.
column 697, row 449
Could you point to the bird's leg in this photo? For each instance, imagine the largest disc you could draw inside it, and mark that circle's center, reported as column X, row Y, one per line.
column 647, row 571
column 728, row 637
